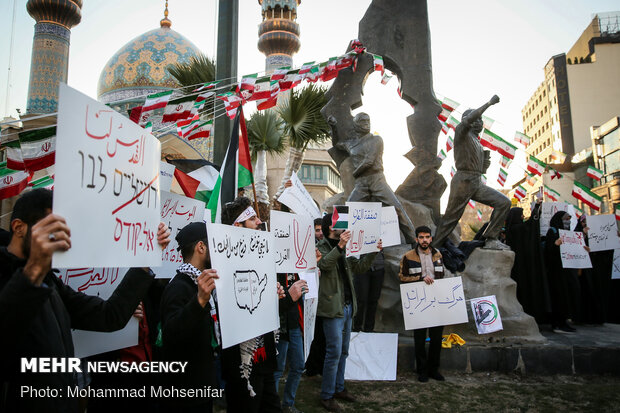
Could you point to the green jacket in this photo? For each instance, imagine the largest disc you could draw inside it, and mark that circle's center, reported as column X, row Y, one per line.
column 331, row 289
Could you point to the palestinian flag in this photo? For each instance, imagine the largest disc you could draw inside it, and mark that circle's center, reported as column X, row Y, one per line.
column 594, row 173
column 154, row 102
column 452, row 122
column 503, row 175
column 38, row 148
column 385, row 78
column 196, row 177
column 236, row 170
column 520, row 193
column 581, row 192
column 45, row 182
column 379, row 65
column 14, row 158
column 449, row 143
column 12, row 182
column 201, row 131
column 279, row 73
column 179, row 109
column 291, row 80
column 554, row 173
column 494, row 142
column 340, row 217
column 535, row 166
column 479, row 215
column 452, row 171
column 487, row 122
column 522, row 138
column 505, row 162
column 558, row 156
column 442, row 155
column 206, row 86
column 551, row 194
column 483, row 179
column 471, row 203
column 618, row 212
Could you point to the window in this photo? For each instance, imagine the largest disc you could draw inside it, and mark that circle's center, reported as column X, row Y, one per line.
column 306, row 172
column 318, row 173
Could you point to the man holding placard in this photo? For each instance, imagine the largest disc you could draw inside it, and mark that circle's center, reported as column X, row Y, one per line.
column 424, row 263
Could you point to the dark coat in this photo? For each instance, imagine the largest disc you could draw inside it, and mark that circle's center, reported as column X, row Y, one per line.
column 37, row 322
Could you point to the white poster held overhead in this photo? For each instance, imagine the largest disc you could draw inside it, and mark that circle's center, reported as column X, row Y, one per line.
column 246, row 288
column 372, row 356
column 390, row 231
column 100, row 282
column 603, row 232
column 166, row 173
column 486, row 314
column 548, row 210
column 615, row 269
column 572, row 250
column 293, row 241
column 441, row 303
column 365, row 227
column 106, row 186
column 298, row 199
column 176, row 212
column 311, row 279
column 310, row 307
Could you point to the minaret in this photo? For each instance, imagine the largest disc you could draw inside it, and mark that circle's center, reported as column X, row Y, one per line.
column 278, row 34
column 49, row 64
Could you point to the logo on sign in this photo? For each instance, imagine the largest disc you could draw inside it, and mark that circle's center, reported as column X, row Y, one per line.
column 486, row 312
column 46, row 147
column 8, row 180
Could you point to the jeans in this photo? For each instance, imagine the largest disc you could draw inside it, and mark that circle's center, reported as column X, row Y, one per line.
column 337, row 337
column 294, row 348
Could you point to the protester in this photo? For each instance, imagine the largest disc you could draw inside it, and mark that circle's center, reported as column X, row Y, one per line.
column 38, row 311
column 318, row 232
column 528, row 271
column 187, row 325
column 337, row 305
column 368, row 290
column 424, row 263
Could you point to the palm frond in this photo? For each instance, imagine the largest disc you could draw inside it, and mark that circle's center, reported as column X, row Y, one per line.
column 199, row 69
column 303, row 122
column 266, row 133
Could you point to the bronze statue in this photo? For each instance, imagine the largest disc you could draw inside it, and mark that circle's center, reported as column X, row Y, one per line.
column 471, row 162
column 366, row 153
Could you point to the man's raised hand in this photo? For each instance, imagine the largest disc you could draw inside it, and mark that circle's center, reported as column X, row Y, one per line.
column 47, row 236
column 206, row 284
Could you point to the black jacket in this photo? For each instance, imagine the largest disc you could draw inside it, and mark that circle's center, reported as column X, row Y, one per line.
column 187, row 334
column 37, row 322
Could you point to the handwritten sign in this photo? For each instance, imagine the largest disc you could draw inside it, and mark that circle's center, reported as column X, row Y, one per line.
column 486, row 314
column 166, row 173
column 603, row 233
column 298, row 199
column 372, row 356
column 390, row 232
column 438, row 304
column 310, row 307
column 100, row 282
column 293, row 241
column 548, row 210
column 365, row 227
column 106, row 186
column 313, row 284
column 572, row 250
column 176, row 211
column 615, row 269
column 246, row 290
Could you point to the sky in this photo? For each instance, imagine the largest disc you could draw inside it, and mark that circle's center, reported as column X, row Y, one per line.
column 479, row 48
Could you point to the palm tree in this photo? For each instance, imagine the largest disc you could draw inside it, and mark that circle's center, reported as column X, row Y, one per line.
column 200, row 69
column 303, row 124
column 265, row 135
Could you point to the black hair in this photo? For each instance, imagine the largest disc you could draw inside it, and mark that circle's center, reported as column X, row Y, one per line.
column 318, row 221
column 32, row 206
column 422, row 229
column 326, row 222
column 187, row 251
column 233, row 209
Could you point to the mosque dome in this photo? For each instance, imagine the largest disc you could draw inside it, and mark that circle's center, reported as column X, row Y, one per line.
column 140, row 67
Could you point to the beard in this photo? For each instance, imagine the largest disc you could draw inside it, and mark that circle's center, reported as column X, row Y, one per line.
column 26, row 243
column 424, row 246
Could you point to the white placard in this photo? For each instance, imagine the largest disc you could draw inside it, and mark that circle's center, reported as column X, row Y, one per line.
column 615, row 269
column 603, row 232
column 176, row 212
column 372, row 356
column 293, row 241
column 438, row 304
column 486, row 314
column 100, row 282
column 365, row 227
column 166, row 173
column 310, row 307
column 548, row 210
column 298, row 199
column 106, row 186
column 390, row 231
column 313, row 285
column 572, row 250
column 246, row 288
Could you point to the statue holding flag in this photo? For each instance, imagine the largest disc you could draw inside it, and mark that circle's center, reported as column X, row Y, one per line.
column 471, row 162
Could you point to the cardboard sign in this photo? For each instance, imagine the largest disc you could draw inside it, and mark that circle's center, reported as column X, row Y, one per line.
column 548, row 210
column 615, row 269
column 365, row 227
column 293, row 241
column 390, row 231
column 166, row 173
column 486, row 314
column 572, row 250
column 106, row 186
column 438, row 304
column 246, row 290
column 372, row 356
column 176, row 212
column 310, row 307
column 603, row 233
column 298, row 199
column 100, row 282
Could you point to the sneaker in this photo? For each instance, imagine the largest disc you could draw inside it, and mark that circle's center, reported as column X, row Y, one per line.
column 494, row 244
column 422, row 378
column 437, row 376
column 330, row 405
column 345, row 395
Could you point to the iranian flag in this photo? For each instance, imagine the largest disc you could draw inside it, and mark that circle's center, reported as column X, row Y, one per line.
column 330, row 71
column 200, row 99
column 558, row 156
column 196, row 177
column 247, row 82
column 279, row 73
column 14, row 158
column 179, row 109
column 452, row 171
column 345, row 61
column 45, row 182
column 551, row 194
column 203, row 130
column 479, row 215
column 505, row 162
column 12, row 182
column 449, row 143
column 386, row 78
column 313, row 75
column 378, row 62
column 594, row 173
column 471, row 203
column 522, row 138
column 236, row 170
column 452, row 122
column 579, row 211
column 520, row 193
column 447, row 106
column 618, row 212
column 272, row 99
column 503, row 175
column 444, row 129
column 206, row 86
column 262, row 89
column 442, row 155
column 291, row 80
column 487, row 122
column 187, row 125
column 536, row 166
column 231, row 102
column 340, row 217
column 134, row 114
column 38, row 148
column 581, row 192
column 154, row 102
column 554, row 174
column 494, row 142
column 531, row 179
column 305, row 69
